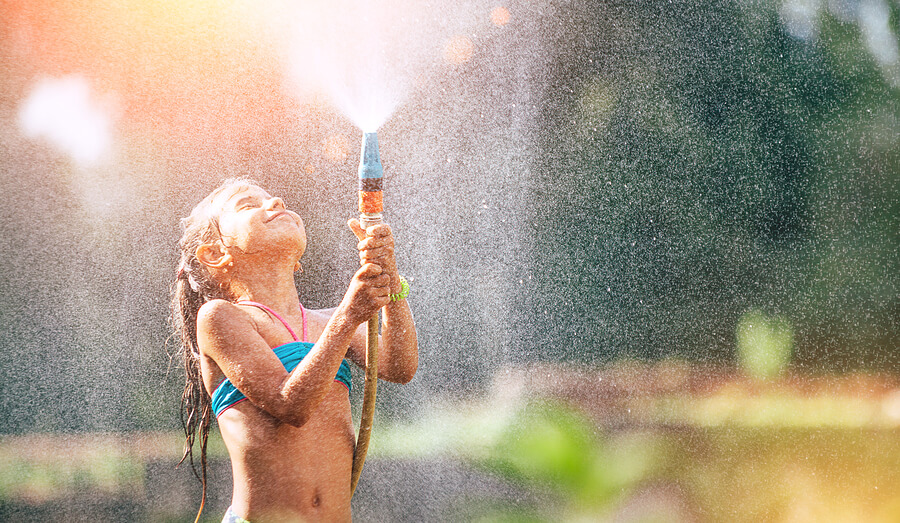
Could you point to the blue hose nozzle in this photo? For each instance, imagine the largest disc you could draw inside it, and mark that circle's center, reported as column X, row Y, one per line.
column 370, row 160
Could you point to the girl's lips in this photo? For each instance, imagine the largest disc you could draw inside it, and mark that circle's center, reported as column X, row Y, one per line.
column 277, row 214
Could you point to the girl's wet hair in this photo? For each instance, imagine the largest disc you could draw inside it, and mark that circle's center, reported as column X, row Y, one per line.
column 194, row 286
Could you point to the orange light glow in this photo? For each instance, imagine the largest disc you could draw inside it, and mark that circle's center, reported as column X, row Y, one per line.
column 208, row 74
column 459, row 50
column 500, row 16
column 190, row 72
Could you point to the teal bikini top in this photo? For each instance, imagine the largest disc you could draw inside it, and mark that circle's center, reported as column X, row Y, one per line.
column 290, row 354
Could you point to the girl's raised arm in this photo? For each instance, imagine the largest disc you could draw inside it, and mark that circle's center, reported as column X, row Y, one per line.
column 398, row 356
column 227, row 334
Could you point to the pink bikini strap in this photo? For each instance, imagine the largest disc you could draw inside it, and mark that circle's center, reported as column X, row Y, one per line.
column 273, row 313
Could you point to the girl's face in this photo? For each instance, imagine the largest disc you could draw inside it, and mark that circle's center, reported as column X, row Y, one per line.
column 252, row 221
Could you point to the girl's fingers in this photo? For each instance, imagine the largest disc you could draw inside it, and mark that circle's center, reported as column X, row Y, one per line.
column 374, row 254
column 357, row 228
column 380, row 230
column 369, row 270
column 373, row 275
column 375, row 243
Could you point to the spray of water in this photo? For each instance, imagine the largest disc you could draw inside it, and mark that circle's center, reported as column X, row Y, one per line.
column 363, row 57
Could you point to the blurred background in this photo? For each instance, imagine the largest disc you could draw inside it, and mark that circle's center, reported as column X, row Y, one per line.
column 653, row 247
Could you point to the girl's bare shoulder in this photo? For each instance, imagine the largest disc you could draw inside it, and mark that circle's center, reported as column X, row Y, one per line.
column 215, row 311
column 220, row 319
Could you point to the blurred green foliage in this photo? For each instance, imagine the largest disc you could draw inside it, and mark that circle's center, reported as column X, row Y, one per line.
column 708, row 158
column 826, row 471
column 40, row 476
column 830, row 467
column 764, row 344
column 554, row 448
column 577, row 471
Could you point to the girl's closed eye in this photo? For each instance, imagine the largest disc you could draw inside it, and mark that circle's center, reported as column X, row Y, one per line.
column 248, row 202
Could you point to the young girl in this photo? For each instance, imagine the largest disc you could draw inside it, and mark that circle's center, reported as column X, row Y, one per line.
column 272, row 372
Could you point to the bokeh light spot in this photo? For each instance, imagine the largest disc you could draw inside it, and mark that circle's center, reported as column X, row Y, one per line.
column 458, row 50
column 336, row 148
column 64, row 112
column 500, row 16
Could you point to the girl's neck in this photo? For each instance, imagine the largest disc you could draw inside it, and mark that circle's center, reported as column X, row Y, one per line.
column 273, row 287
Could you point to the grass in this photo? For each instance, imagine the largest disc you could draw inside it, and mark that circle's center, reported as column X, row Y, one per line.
column 789, row 474
column 40, row 468
column 724, row 449
column 730, row 448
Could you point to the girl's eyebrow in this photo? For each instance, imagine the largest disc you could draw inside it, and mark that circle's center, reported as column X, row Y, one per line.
column 249, row 198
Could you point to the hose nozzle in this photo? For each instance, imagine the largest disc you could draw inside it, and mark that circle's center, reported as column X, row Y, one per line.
column 370, row 181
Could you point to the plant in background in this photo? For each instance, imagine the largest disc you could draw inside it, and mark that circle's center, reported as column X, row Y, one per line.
column 558, row 453
column 764, row 344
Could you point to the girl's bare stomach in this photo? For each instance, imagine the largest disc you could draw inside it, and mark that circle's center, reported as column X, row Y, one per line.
column 284, row 473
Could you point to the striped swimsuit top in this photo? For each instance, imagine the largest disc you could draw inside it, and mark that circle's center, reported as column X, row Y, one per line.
column 290, row 354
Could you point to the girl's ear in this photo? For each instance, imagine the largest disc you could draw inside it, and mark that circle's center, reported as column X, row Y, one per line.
column 213, row 255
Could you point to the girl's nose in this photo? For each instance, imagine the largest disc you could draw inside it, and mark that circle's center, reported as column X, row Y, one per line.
column 275, row 203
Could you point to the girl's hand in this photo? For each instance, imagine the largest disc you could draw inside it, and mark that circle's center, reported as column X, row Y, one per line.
column 368, row 293
column 376, row 245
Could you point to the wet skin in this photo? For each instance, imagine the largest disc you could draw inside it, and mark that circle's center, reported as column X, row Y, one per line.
column 291, row 445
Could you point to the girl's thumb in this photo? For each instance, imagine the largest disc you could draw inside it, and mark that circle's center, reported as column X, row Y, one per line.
column 357, row 229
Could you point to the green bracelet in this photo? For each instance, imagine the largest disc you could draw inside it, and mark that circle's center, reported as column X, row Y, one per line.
column 404, row 290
